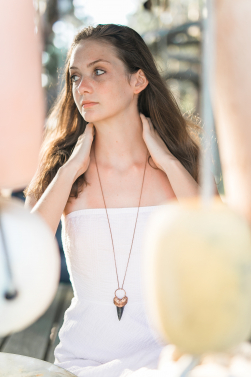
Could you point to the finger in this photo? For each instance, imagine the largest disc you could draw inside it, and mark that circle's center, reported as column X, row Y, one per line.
column 143, row 119
column 89, row 125
column 88, row 129
column 147, row 122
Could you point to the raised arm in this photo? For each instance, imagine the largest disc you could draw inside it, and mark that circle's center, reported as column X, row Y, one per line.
column 53, row 201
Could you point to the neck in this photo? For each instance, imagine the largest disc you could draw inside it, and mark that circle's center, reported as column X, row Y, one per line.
column 119, row 142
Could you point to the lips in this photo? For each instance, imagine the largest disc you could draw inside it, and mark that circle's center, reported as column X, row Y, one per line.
column 88, row 103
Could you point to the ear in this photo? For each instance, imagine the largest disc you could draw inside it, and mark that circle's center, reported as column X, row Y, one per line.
column 140, row 81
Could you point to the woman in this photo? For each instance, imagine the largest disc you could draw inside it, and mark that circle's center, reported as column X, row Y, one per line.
column 114, row 114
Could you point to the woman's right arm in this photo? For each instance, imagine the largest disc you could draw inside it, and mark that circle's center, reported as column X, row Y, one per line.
column 53, row 201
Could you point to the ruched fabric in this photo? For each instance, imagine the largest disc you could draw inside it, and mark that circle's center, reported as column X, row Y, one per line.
column 93, row 342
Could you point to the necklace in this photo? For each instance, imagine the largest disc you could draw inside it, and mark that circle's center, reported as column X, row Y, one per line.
column 120, row 302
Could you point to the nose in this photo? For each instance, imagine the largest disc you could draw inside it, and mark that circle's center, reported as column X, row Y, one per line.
column 85, row 86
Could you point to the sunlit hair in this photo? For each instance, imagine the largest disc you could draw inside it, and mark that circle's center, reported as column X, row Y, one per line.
column 65, row 123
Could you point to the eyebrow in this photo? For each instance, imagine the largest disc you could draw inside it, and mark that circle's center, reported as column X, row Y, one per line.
column 92, row 63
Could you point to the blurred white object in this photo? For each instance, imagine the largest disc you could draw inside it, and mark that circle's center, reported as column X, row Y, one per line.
column 175, row 368
column 22, row 366
column 35, row 265
column 236, row 363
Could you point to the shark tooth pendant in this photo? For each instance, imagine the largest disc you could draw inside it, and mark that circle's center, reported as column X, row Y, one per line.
column 120, row 303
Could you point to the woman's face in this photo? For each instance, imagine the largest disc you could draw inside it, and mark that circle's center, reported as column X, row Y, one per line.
column 99, row 77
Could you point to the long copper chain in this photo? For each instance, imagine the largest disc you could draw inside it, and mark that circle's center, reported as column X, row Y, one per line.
column 109, row 221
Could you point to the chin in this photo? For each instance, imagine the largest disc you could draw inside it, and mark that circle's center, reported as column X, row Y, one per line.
column 91, row 116
column 92, row 119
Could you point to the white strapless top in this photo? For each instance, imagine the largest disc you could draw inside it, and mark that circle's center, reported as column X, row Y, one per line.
column 93, row 342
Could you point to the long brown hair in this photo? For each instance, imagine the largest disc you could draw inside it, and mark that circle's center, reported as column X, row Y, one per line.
column 65, row 123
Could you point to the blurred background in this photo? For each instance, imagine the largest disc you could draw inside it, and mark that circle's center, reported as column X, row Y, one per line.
column 172, row 29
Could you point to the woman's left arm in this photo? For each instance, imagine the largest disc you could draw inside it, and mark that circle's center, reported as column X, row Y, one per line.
column 180, row 179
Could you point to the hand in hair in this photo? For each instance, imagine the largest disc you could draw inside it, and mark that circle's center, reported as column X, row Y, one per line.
column 156, row 146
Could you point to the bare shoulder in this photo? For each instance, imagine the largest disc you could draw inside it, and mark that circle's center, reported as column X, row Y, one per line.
column 70, row 206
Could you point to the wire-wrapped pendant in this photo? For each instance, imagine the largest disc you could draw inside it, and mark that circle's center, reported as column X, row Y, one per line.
column 120, row 303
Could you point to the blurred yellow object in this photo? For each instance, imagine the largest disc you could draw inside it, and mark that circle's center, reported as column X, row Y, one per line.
column 197, row 275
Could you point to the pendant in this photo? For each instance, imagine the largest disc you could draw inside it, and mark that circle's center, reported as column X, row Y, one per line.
column 120, row 303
